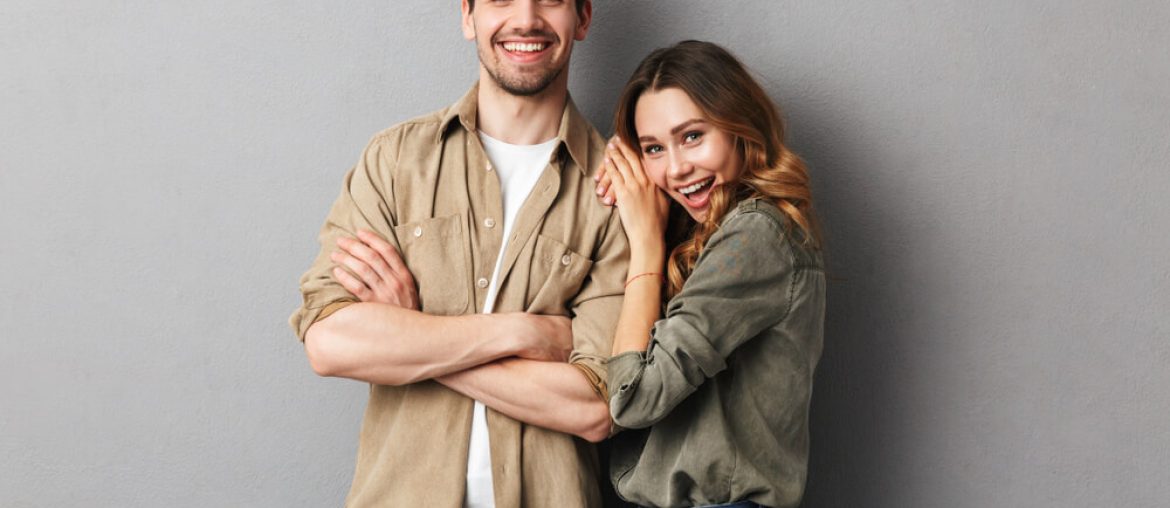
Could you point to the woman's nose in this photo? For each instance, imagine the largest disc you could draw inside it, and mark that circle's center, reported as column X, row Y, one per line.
column 679, row 167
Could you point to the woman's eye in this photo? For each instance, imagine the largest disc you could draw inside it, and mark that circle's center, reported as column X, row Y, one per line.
column 692, row 136
column 652, row 149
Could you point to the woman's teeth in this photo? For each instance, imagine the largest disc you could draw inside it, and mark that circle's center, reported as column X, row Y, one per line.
column 696, row 186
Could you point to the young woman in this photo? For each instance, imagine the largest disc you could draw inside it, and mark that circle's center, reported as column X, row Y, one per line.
column 714, row 394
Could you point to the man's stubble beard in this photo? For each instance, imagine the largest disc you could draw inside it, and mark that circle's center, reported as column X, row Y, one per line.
column 519, row 86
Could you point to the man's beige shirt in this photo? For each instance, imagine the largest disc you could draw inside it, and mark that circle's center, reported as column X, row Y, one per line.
column 427, row 187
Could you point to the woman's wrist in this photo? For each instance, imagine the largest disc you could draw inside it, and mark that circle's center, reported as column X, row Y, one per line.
column 647, row 264
column 647, row 255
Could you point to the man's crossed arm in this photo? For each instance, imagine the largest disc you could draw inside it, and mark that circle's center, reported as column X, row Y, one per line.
column 512, row 362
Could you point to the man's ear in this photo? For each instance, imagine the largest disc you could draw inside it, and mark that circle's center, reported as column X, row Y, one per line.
column 583, row 20
column 468, row 24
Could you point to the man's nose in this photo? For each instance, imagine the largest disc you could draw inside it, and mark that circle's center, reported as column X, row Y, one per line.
column 526, row 17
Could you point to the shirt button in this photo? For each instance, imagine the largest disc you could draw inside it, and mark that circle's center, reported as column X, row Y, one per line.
column 489, row 222
column 566, row 259
column 418, row 231
column 482, row 283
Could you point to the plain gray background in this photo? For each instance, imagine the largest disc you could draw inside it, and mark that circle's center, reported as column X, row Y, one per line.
column 991, row 176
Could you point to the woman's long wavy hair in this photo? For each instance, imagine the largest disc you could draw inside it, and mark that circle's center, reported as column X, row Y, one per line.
column 732, row 101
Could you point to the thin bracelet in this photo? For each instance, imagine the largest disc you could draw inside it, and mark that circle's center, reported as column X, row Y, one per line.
column 631, row 279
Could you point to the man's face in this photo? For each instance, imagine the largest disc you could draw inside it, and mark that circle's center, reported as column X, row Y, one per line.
column 524, row 45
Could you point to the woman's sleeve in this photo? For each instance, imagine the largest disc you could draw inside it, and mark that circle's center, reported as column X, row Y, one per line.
column 740, row 286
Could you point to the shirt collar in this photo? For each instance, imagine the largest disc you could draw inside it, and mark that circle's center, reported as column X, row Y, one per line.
column 573, row 133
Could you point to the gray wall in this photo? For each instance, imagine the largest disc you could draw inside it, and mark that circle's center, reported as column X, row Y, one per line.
column 991, row 175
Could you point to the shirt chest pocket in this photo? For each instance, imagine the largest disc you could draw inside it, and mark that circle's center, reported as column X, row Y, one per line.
column 436, row 254
column 557, row 274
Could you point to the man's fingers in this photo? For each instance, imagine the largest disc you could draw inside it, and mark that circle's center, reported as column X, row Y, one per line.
column 368, row 275
column 388, row 253
column 372, row 258
column 351, row 284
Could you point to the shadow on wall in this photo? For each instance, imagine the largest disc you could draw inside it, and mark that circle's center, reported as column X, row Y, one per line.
column 857, row 396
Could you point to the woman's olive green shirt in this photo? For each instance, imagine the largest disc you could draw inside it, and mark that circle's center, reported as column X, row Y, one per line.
column 717, row 406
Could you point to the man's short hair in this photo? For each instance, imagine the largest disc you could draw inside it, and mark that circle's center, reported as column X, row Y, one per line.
column 580, row 6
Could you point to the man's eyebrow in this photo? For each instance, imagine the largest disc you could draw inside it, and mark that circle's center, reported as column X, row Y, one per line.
column 675, row 130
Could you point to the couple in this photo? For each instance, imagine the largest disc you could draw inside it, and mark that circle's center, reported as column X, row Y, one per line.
column 496, row 271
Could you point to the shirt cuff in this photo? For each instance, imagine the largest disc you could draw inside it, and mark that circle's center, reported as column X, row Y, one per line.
column 328, row 310
column 596, row 381
column 625, row 370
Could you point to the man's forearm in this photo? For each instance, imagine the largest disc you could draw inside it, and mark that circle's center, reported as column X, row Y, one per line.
column 385, row 344
column 553, row 395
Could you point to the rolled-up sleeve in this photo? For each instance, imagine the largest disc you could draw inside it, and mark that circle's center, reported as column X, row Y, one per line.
column 741, row 285
column 366, row 202
column 597, row 306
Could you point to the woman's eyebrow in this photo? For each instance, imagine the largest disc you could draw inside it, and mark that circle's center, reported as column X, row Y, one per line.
column 675, row 130
column 684, row 125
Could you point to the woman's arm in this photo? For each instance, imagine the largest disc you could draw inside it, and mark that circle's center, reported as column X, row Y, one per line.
column 643, row 210
column 739, row 287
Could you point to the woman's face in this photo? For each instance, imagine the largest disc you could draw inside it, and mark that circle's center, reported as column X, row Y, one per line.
column 684, row 154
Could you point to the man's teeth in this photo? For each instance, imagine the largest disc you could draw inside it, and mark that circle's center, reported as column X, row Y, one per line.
column 526, row 47
column 694, row 187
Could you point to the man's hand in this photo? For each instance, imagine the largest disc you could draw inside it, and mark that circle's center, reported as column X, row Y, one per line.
column 374, row 272
column 546, row 338
column 371, row 269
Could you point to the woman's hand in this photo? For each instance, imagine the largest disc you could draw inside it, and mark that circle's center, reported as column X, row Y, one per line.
column 641, row 205
column 375, row 273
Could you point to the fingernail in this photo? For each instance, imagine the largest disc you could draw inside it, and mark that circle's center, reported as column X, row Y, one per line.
column 600, row 190
column 608, row 201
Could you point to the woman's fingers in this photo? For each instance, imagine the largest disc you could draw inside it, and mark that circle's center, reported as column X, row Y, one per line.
column 621, row 165
column 604, row 182
column 635, row 162
column 617, row 180
column 616, row 183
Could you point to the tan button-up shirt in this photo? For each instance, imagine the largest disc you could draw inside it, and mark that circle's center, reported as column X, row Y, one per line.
column 427, row 187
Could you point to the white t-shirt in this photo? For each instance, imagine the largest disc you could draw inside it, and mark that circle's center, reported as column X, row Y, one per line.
column 518, row 167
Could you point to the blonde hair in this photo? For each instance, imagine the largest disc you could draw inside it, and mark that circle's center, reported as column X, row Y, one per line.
column 732, row 101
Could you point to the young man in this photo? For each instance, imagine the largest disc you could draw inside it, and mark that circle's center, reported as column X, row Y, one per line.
column 491, row 205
